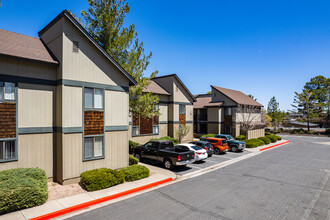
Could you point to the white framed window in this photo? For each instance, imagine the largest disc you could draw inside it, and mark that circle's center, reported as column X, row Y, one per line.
column 93, row 98
column 228, row 111
column 7, row 150
column 93, row 147
column 182, row 109
column 7, row 91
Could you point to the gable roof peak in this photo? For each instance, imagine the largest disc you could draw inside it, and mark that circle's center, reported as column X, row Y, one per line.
column 67, row 14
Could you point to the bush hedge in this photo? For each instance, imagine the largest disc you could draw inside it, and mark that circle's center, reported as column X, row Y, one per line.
column 135, row 172
column 273, row 138
column 166, row 138
column 252, row 143
column 266, row 140
column 208, row 135
column 132, row 144
column 133, row 160
column 240, row 137
column 22, row 188
column 268, row 133
column 278, row 137
column 101, row 178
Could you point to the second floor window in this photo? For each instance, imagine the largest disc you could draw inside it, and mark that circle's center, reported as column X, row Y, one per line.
column 93, row 98
column 7, row 91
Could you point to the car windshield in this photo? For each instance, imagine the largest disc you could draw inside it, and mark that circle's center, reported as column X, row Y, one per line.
column 195, row 147
column 230, row 138
column 208, row 145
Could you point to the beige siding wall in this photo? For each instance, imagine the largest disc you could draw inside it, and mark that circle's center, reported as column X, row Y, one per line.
column 116, row 108
column 35, row 105
column 188, row 137
column 27, row 69
column 34, row 151
column 163, row 131
column 116, row 154
column 240, row 117
column 72, row 106
column 180, row 94
column 163, row 110
column 189, row 112
column 256, row 133
column 97, row 68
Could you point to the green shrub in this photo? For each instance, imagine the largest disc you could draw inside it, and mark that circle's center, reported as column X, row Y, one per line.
column 133, row 160
column 22, row 188
column 252, row 143
column 208, row 135
column 297, row 131
column 135, row 172
column 266, row 140
column 240, row 137
column 278, row 137
column 273, row 138
column 101, row 178
column 132, row 144
column 166, row 138
column 268, row 133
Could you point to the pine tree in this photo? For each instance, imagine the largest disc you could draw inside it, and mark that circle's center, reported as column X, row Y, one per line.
column 104, row 20
column 274, row 112
column 306, row 105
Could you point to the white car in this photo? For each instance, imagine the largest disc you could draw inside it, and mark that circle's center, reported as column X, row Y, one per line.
column 200, row 154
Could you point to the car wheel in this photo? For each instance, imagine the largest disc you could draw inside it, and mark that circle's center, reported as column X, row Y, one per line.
column 138, row 156
column 168, row 164
column 234, row 149
column 216, row 151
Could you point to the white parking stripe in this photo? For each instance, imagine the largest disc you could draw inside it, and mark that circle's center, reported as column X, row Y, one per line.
column 213, row 161
column 194, row 167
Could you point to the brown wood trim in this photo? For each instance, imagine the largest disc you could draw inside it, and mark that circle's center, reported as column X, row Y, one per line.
column 94, row 122
column 7, row 120
column 182, row 118
column 145, row 125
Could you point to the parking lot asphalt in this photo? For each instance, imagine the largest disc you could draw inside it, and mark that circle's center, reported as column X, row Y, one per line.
column 289, row 182
column 210, row 161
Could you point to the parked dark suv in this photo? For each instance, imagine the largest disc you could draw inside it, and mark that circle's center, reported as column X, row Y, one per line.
column 204, row 145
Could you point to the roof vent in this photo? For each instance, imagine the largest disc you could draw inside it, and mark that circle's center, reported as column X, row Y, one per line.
column 75, row 47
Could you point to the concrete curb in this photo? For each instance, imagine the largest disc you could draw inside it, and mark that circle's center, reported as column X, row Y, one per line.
column 276, row 145
column 98, row 201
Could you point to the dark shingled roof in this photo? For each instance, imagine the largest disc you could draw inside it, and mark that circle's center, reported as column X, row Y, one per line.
column 155, row 88
column 237, row 96
column 22, row 46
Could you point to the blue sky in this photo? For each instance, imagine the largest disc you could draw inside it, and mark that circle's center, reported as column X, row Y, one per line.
column 265, row 48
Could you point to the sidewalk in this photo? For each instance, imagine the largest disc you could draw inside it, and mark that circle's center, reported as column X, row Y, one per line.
column 268, row 146
column 157, row 174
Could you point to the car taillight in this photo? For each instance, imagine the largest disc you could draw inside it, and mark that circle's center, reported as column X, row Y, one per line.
column 205, row 148
column 178, row 158
column 199, row 153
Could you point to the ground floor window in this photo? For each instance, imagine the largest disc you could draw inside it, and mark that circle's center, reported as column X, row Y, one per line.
column 7, row 150
column 93, row 147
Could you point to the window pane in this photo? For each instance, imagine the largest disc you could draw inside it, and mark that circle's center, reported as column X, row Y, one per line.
column 98, row 98
column 88, row 147
column 9, row 91
column 9, row 149
column 1, row 90
column 88, row 98
column 98, row 147
column 182, row 109
column 155, row 129
column 136, row 131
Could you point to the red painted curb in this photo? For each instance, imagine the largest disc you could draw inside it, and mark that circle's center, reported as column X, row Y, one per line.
column 266, row 148
column 97, row 201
